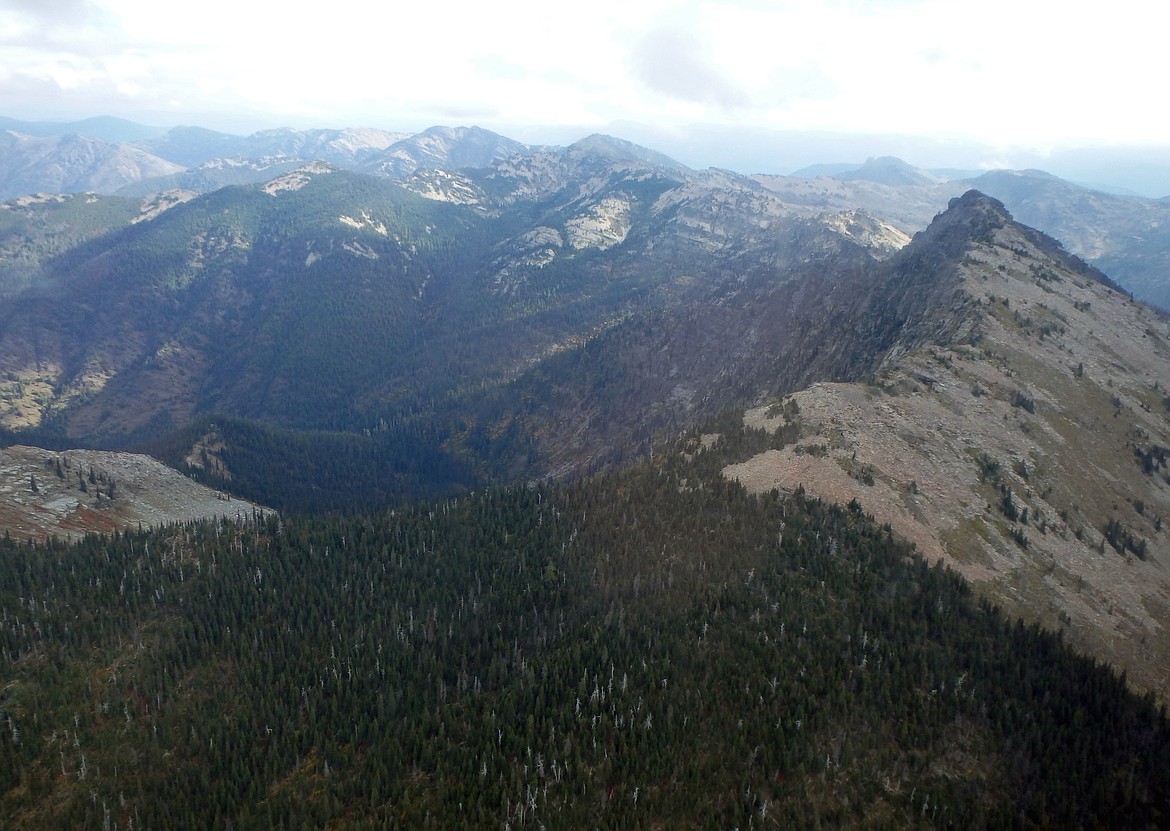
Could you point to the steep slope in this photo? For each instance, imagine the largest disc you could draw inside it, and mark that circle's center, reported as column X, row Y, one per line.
column 677, row 259
column 659, row 263
column 1127, row 237
column 252, row 299
column 1019, row 432
column 725, row 328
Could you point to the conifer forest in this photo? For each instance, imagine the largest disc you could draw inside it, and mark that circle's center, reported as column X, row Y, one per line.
column 646, row 648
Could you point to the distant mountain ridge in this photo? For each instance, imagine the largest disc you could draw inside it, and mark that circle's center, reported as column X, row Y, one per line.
column 888, row 170
column 1128, row 237
column 572, row 240
column 441, row 147
column 194, row 146
column 106, row 128
column 71, row 163
column 1125, row 235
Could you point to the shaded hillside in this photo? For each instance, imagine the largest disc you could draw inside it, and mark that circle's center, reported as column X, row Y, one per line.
column 327, row 300
column 819, row 306
column 313, row 471
column 35, row 229
column 651, row 648
column 720, row 337
column 251, row 296
column 1023, row 443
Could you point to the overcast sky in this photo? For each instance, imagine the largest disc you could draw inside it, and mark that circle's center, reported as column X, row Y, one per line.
column 1005, row 73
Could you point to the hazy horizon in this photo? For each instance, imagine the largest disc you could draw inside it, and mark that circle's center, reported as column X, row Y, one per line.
column 1142, row 171
column 1003, row 85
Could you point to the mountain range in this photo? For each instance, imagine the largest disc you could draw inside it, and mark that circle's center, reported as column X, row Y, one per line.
column 586, row 398
column 547, row 313
column 1123, row 234
column 548, row 249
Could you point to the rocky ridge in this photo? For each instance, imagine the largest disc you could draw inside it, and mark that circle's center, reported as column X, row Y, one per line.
column 1026, row 446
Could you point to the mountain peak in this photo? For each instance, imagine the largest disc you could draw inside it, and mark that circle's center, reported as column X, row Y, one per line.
column 976, row 219
column 620, row 150
column 969, row 218
column 442, row 147
column 889, row 170
column 975, row 205
column 983, row 214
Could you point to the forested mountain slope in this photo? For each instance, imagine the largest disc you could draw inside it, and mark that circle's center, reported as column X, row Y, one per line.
column 35, row 229
column 650, row 647
column 250, row 299
column 328, row 300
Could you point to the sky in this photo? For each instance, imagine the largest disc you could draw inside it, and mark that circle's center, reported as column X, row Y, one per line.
column 989, row 81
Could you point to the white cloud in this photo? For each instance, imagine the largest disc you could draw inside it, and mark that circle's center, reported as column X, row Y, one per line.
column 672, row 62
column 999, row 70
